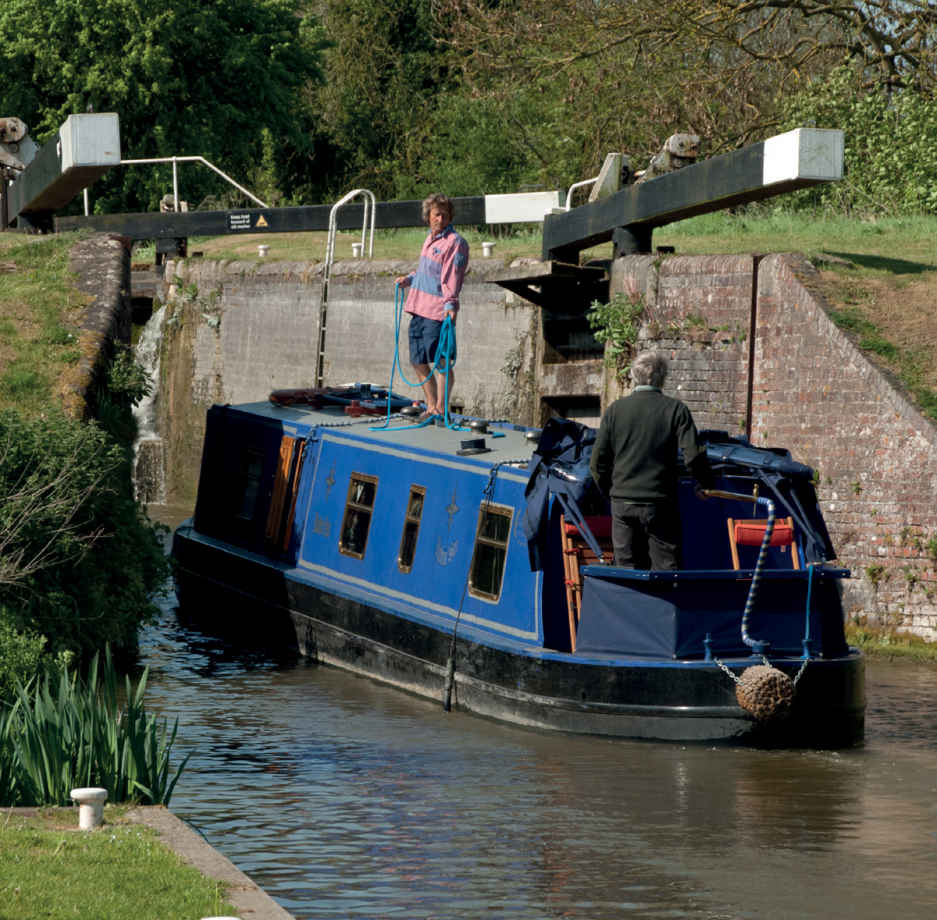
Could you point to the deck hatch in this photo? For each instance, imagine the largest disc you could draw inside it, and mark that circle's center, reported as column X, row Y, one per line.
column 357, row 521
column 411, row 528
column 486, row 574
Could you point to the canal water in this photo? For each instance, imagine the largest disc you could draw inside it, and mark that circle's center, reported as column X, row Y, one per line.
column 344, row 798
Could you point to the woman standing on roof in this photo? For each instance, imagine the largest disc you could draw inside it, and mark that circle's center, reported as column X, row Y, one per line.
column 434, row 297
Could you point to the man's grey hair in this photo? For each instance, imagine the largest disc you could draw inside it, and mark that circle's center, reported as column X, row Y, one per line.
column 649, row 369
column 442, row 202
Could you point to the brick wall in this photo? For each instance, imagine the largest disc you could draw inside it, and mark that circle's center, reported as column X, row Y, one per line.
column 813, row 392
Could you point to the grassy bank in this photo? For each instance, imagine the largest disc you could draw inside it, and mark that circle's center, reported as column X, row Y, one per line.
column 51, row 869
column 39, row 312
column 882, row 643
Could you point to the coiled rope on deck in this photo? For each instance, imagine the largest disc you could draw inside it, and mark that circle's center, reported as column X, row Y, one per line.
column 443, row 351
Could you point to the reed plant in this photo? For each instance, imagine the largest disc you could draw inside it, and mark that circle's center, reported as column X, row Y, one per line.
column 67, row 732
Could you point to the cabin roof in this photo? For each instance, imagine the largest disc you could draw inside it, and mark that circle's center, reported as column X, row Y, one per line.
column 503, row 441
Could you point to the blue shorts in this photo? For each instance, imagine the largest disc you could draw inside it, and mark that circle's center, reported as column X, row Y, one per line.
column 424, row 341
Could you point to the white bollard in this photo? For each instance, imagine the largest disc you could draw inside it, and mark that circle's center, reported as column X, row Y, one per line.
column 90, row 806
column 487, row 249
column 262, row 250
column 357, row 249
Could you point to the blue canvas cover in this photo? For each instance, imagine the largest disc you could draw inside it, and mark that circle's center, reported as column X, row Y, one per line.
column 789, row 481
column 668, row 615
column 559, row 466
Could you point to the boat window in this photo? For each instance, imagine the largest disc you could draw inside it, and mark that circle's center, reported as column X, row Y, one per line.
column 357, row 521
column 411, row 527
column 491, row 546
column 251, row 473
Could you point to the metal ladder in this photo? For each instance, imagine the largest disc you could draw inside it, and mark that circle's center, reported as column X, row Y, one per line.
column 370, row 206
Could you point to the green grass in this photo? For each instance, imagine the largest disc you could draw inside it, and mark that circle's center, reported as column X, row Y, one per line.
column 388, row 244
column 871, row 244
column 39, row 311
column 70, row 732
column 50, row 869
column 879, row 642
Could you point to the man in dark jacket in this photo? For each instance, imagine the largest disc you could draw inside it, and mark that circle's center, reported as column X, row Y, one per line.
column 635, row 462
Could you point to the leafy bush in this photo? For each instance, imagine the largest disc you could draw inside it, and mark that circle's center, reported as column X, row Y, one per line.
column 67, row 733
column 79, row 562
column 21, row 656
column 126, row 383
column 890, row 156
column 616, row 324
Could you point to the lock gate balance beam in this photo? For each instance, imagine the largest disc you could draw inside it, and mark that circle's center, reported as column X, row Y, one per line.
column 476, row 209
column 785, row 163
column 85, row 147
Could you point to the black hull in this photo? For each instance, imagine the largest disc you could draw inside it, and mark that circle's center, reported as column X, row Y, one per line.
column 673, row 702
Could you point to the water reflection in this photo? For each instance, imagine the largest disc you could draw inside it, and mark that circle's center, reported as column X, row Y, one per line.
column 375, row 804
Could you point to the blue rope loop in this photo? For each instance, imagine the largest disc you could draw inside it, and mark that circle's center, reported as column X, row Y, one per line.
column 443, row 350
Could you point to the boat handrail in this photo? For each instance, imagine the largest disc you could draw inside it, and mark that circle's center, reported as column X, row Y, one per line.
column 616, row 573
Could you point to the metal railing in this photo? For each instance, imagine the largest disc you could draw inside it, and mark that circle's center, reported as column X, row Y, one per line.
column 574, row 186
column 175, row 175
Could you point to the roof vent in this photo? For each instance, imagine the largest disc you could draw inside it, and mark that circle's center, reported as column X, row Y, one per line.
column 473, row 446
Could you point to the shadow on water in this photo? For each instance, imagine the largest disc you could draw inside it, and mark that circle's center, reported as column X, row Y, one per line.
column 344, row 798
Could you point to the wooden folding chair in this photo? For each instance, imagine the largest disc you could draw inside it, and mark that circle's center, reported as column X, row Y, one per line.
column 751, row 532
column 577, row 553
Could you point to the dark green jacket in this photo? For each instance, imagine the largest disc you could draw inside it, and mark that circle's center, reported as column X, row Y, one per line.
column 635, row 454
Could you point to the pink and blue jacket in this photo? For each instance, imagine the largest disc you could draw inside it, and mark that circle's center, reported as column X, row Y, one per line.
column 435, row 285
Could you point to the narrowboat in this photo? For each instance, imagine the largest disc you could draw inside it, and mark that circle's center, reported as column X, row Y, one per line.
column 469, row 562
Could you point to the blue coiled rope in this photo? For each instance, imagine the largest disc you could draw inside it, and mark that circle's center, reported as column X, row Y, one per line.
column 443, row 350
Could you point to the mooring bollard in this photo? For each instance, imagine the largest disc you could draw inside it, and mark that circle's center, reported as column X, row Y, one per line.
column 90, row 806
column 487, row 249
column 357, row 249
column 262, row 250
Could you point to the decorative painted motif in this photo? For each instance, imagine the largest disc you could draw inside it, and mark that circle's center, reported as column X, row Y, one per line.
column 446, row 552
column 452, row 509
column 321, row 526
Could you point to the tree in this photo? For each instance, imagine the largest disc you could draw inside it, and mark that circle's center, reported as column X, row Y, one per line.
column 186, row 78
column 79, row 564
column 624, row 74
column 386, row 75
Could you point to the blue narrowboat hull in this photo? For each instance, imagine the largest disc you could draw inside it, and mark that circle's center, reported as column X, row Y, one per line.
column 404, row 554
column 674, row 700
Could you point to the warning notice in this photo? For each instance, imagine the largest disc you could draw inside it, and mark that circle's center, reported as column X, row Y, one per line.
column 239, row 221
